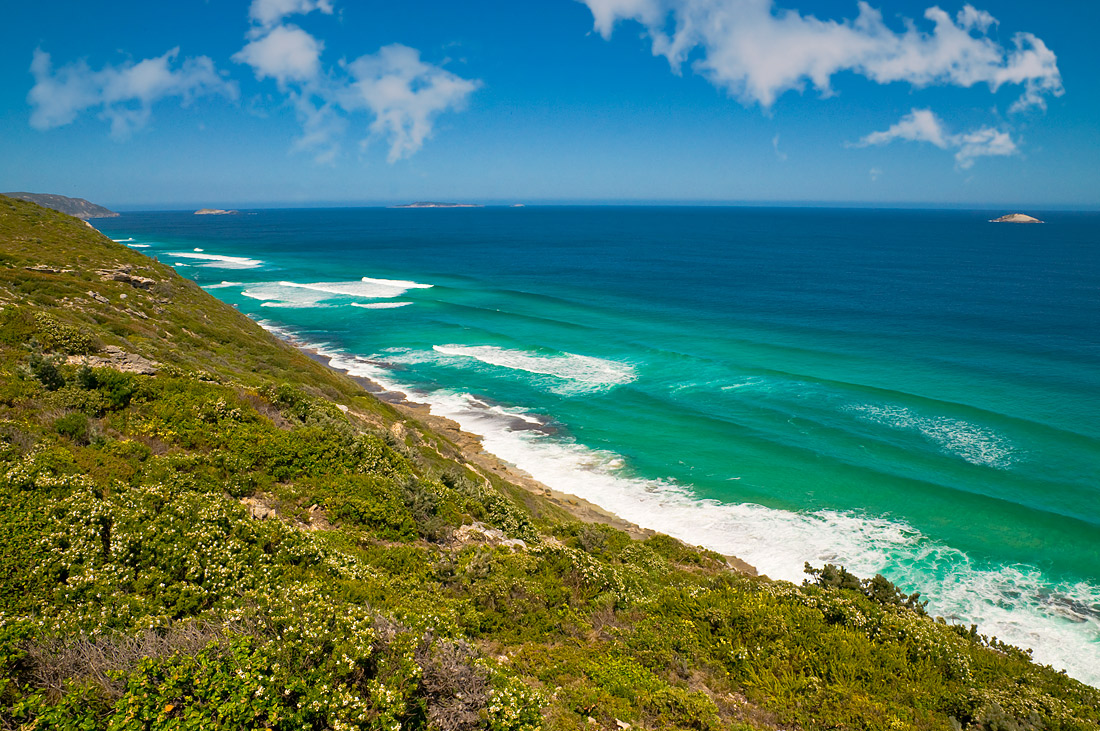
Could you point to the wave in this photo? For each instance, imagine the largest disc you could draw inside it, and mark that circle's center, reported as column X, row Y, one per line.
column 122, row 241
column 583, row 372
column 380, row 305
column 216, row 261
column 138, row 246
column 222, row 285
column 976, row 444
column 316, row 294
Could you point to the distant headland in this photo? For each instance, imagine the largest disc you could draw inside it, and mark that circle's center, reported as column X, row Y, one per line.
column 433, row 204
column 77, row 207
column 215, row 212
column 1016, row 218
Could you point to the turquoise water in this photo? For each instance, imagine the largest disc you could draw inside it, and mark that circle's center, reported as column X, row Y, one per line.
column 914, row 393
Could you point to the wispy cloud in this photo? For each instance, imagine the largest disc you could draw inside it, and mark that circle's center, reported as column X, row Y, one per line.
column 757, row 52
column 401, row 94
column 405, row 95
column 124, row 94
column 267, row 13
column 921, row 125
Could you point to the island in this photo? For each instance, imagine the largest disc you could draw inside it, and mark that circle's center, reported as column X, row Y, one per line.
column 1016, row 218
column 77, row 207
column 432, row 204
column 215, row 212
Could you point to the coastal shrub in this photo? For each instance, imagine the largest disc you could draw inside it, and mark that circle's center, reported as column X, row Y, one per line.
column 75, row 426
column 116, row 387
column 58, row 336
column 45, row 370
column 878, row 588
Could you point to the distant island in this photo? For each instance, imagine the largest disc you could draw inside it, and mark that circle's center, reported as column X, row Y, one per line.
column 1016, row 218
column 432, row 204
column 215, row 212
column 77, row 207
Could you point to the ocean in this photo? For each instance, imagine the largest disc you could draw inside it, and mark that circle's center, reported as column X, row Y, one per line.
column 912, row 393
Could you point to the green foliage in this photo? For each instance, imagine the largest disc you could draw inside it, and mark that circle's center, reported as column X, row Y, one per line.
column 878, row 588
column 58, row 336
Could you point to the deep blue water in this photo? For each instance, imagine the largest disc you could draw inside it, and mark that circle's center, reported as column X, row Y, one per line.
column 915, row 393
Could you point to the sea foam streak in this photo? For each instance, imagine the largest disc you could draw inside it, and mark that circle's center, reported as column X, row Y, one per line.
column 317, row 294
column 1016, row 603
column 582, row 371
column 974, row 443
column 219, row 262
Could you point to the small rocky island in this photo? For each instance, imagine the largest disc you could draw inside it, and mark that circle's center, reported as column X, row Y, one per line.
column 1016, row 218
column 433, row 204
column 215, row 212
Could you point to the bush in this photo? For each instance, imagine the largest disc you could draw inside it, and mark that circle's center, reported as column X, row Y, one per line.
column 75, row 426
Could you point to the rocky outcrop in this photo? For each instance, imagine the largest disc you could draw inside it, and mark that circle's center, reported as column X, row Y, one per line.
column 123, row 274
column 115, row 357
column 215, row 212
column 1016, row 218
column 78, row 207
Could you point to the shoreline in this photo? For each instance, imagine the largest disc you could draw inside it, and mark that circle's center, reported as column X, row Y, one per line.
column 475, row 456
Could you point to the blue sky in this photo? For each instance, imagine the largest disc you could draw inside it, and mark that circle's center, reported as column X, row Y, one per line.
column 300, row 102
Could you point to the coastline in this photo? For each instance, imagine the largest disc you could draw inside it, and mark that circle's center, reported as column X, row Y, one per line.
column 475, row 456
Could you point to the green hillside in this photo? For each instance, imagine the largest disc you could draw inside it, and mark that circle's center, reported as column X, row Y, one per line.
column 203, row 528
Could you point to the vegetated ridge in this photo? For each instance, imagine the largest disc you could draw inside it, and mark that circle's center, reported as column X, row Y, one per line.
column 77, row 207
column 203, row 528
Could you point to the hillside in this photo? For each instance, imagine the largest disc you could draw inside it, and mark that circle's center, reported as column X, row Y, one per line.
column 203, row 528
column 77, row 207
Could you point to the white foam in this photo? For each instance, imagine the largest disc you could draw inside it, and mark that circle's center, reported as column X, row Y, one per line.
column 219, row 262
column 223, row 284
column 122, row 241
column 976, row 444
column 380, row 305
column 200, row 249
column 313, row 294
column 138, row 246
column 585, row 371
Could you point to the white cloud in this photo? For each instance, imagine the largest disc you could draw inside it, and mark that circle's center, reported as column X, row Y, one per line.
column 404, row 94
column 983, row 142
column 124, row 94
column 921, row 125
column 268, row 13
column 286, row 53
column 757, row 51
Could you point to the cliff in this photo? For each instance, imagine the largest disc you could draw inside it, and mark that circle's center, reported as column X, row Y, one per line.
column 202, row 527
column 77, row 207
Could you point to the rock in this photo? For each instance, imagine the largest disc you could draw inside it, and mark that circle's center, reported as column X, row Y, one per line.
column 258, row 509
column 622, row 724
column 1016, row 218
column 115, row 357
column 44, row 269
column 481, row 533
column 122, row 274
column 98, row 297
column 214, row 212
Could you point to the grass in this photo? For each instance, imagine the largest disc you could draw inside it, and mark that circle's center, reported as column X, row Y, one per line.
column 140, row 592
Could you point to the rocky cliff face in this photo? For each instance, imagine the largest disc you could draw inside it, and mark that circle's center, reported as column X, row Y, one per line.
column 78, row 207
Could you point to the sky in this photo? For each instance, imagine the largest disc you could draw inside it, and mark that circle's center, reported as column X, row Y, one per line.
column 254, row 103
